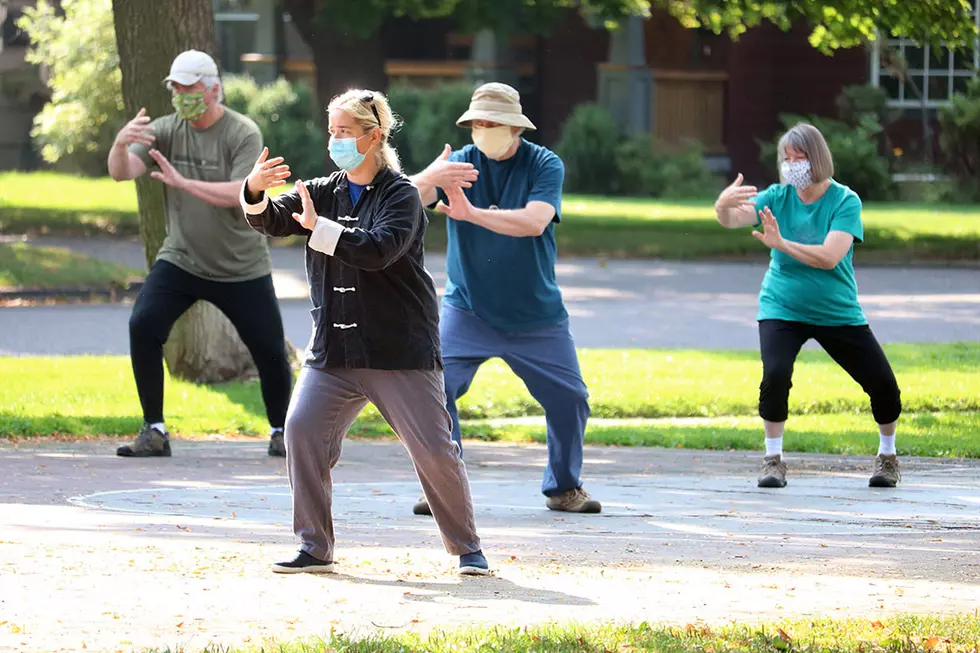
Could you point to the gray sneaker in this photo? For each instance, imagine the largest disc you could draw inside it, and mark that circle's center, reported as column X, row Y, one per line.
column 150, row 442
column 574, row 500
column 277, row 444
column 886, row 472
column 773, row 472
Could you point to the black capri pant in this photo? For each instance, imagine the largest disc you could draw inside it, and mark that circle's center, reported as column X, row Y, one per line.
column 854, row 348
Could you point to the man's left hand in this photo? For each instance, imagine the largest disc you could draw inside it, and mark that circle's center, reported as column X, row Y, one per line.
column 167, row 173
column 459, row 207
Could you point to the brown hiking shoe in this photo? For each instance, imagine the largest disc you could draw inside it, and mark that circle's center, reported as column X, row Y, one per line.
column 773, row 472
column 422, row 508
column 277, row 444
column 886, row 471
column 574, row 500
column 150, row 442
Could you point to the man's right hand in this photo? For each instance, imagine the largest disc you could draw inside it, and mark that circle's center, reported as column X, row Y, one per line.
column 267, row 173
column 137, row 130
column 445, row 174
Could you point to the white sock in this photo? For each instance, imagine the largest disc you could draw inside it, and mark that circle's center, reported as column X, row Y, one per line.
column 886, row 445
column 159, row 426
column 774, row 446
column 275, row 430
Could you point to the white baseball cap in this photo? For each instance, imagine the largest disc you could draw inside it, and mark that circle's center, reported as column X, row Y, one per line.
column 190, row 66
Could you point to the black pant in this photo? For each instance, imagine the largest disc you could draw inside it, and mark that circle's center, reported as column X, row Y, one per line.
column 250, row 305
column 854, row 348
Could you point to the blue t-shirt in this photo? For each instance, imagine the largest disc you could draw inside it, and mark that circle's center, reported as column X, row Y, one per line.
column 797, row 292
column 507, row 281
column 355, row 191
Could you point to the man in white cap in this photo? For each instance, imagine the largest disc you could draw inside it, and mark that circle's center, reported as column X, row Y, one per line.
column 502, row 299
column 201, row 152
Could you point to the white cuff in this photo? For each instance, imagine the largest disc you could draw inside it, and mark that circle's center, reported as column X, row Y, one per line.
column 253, row 209
column 326, row 233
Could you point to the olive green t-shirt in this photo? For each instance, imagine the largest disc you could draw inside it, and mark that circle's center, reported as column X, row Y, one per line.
column 208, row 241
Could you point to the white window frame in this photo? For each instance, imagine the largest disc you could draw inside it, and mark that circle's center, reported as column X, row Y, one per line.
column 950, row 72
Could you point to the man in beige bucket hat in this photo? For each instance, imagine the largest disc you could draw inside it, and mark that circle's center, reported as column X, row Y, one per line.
column 502, row 199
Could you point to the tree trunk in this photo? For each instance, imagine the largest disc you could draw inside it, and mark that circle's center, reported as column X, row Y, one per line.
column 342, row 60
column 203, row 346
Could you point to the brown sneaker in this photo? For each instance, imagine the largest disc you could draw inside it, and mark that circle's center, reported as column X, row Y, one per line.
column 574, row 500
column 277, row 444
column 422, row 508
column 773, row 472
column 150, row 442
column 886, row 471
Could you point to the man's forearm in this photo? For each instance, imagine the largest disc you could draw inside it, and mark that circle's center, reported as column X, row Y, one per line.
column 118, row 163
column 216, row 193
column 427, row 190
column 517, row 222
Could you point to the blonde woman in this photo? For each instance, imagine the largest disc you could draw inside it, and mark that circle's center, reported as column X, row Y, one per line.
column 375, row 328
column 811, row 222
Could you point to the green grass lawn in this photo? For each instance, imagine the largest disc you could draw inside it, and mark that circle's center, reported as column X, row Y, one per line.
column 41, row 202
column 30, row 266
column 949, row 634
column 690, row 399
column 613, row 227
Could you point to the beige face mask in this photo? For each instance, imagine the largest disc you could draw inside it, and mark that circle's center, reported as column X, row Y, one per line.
column 493, row 141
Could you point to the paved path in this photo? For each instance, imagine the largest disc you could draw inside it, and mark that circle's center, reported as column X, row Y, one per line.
column 102, row 552
column 619, row 304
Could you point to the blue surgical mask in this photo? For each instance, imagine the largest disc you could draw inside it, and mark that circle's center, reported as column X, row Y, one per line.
column 343, row 152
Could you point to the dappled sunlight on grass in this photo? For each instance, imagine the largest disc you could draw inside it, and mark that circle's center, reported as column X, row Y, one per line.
column 96, row 395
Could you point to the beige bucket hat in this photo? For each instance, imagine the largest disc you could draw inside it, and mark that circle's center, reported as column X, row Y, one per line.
column 496, row 102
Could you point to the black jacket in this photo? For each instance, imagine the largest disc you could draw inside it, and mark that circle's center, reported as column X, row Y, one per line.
column 374, row 303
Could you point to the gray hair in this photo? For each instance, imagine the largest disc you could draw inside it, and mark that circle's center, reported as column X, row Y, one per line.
column 806, row 138
column 211, row 81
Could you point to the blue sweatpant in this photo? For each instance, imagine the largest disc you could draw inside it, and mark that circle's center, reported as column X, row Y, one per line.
column 547, row 363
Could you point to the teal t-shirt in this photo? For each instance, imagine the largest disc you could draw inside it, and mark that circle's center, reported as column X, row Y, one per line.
column 508, row 282
column 797, row 292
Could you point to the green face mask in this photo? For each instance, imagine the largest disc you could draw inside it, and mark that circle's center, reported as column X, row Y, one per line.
column 189, row 106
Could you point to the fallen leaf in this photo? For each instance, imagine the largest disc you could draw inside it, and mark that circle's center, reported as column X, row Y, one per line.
column 877, row 624
column 782, row 634
column 931, row 642
column 180, row 625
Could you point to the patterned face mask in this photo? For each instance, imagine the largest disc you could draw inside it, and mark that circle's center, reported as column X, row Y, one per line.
column 189, row 106
column 797, row 174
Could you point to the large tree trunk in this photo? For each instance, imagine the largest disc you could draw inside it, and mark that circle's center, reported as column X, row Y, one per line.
column 203, row 346
column 342, row 60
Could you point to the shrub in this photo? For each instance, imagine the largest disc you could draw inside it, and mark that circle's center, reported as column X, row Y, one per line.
column 284, row 114
column 648, row 168
column 859, row 101
column 857, row 162
column 960, row 138
column 429, row 116
column 589, row 148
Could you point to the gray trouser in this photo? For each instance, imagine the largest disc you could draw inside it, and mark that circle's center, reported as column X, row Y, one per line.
column 324, row 405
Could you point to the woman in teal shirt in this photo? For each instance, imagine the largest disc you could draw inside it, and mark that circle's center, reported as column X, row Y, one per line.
column 810, row 223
